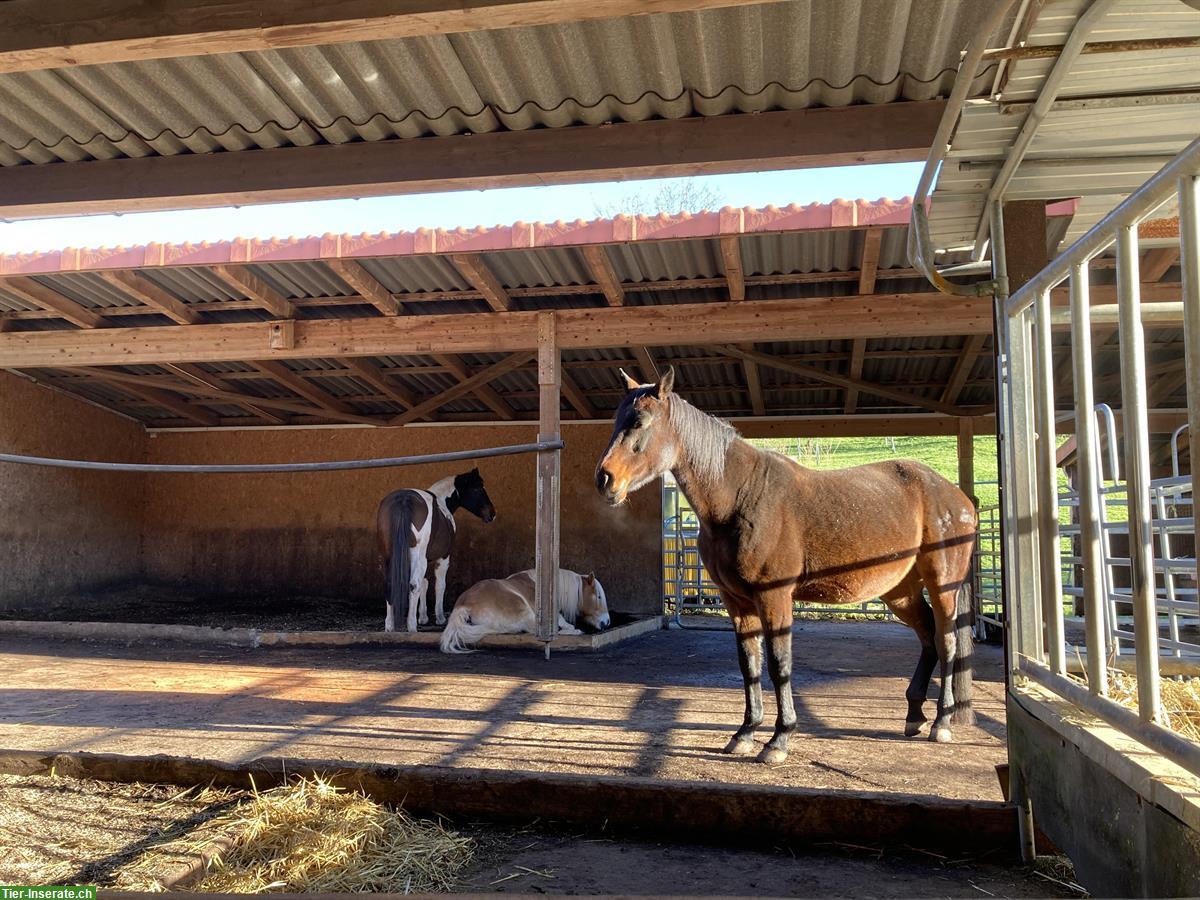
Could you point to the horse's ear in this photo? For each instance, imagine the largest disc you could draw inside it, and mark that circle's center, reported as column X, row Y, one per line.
column 631, row 384
column 666, row 383
column 590, row 577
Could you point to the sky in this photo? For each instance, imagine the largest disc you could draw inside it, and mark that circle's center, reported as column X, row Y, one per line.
column 444, row 210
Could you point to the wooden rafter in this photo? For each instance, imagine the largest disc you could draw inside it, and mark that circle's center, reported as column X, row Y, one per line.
column 484, row 391
column 857, row 352
column 869, row 267
column 483, row 376
column 817, row 318
column 196, row 375
column 367, row 285
column 39, row 295
column 198, row 390
column 735, row 275
column 886, row 132
column 646, row 364
column 123, row 30
column 298, row 384
column 824, row 375
column 257, row 290
column 371, row 374
column 575, row 396
column 473, row 268
column 601, row 269
column 963, row 367
column 165, row 399
column 147, row 292
column 1157, row 262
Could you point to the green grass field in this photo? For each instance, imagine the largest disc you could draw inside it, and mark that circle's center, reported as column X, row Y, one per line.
column 939, row 453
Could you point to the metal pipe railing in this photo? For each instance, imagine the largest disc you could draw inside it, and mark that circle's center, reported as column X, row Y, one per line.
column 1046, row 476
column 1188, row 187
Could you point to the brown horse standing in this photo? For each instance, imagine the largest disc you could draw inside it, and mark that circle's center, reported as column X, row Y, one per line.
column 773, row 532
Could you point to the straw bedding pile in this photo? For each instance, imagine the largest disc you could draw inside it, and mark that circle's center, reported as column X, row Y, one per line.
column 310, row 836
column 1180, row 700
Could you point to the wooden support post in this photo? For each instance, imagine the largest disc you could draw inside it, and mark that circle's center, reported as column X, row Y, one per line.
column 548, row 469
column 966, row 456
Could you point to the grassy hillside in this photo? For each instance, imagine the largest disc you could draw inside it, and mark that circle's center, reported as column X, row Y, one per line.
column 939, row 453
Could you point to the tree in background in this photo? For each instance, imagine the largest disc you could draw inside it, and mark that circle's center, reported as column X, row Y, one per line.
column 672, row 196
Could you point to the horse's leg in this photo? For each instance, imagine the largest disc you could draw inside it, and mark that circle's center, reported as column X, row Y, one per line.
column 943, row 589
column 389, row 617
column 908, row 605
column 748, row 628
column 565, row 627
column 776, row 612
column 439, row 590
column 418, row 586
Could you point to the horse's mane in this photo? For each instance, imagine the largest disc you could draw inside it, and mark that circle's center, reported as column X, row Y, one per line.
column 705, row 439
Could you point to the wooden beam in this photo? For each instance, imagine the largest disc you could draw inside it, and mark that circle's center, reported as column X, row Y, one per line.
column 601, row 269
column 646, row 364
column 483, row 376
column 754, row 388
column 701, row 324
column 49, row 34
column 484, row 391
column 39, row 295
column 298, row 384
column 147, row 292
column 549, row 466
column 735, row 276
column 869, row 266
column 366, row 284
column 166, row 400
column 857, row 352
column 1157, row 262
column 966, row 456
column 824, row 375
column 217, row 394
column 789, row 139
column 195, row 375
column 862, row 425
column 370, row 373
column 576, row 397
column 962, row 368
column 257, row 290
column 476, row 271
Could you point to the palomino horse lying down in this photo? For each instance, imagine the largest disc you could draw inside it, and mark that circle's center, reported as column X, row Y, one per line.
column 505, row 606
column 773, row 533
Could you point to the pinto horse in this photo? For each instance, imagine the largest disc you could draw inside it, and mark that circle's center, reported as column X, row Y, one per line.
column 506, row 606
column 773, row 533
column 415, row 531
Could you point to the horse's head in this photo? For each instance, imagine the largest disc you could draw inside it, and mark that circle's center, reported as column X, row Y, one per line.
column 472, row 496
column 643, row 444
column 593, row 605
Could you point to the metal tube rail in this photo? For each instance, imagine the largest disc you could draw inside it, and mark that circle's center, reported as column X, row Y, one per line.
column 1046, row 478
column 920, row 251
column 261, row 468
column 1179, row 750
column 1189, row 264
column 1136, row 206
column 1087, row 440
column 1047, row 94
column 1137, row 473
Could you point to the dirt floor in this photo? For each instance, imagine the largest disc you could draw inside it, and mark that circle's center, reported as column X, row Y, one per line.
column 660, row 706
column 112, row 825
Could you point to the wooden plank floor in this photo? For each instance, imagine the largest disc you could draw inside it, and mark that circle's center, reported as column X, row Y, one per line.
column 661, row 706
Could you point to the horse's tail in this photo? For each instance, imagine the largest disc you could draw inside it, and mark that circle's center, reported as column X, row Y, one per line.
column 400, row 565
column 461, row 634
column 964, row 662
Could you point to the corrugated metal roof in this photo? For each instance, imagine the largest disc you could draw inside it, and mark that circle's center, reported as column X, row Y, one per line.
column 1086, row 147
column 782, row 55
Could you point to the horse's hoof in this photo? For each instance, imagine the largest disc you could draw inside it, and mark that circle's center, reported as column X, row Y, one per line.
column 772, row 756
column 941, row 735
column 441, row 621
column 740, row 746
column 913, row 728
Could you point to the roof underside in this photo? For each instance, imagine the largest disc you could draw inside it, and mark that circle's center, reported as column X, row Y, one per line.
column 743, row 59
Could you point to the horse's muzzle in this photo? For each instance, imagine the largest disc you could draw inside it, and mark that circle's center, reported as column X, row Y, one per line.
column 607, row 486
column 489, row 515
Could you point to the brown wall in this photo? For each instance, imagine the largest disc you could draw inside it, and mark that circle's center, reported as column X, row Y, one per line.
column 315, row 533
column 64, row 531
